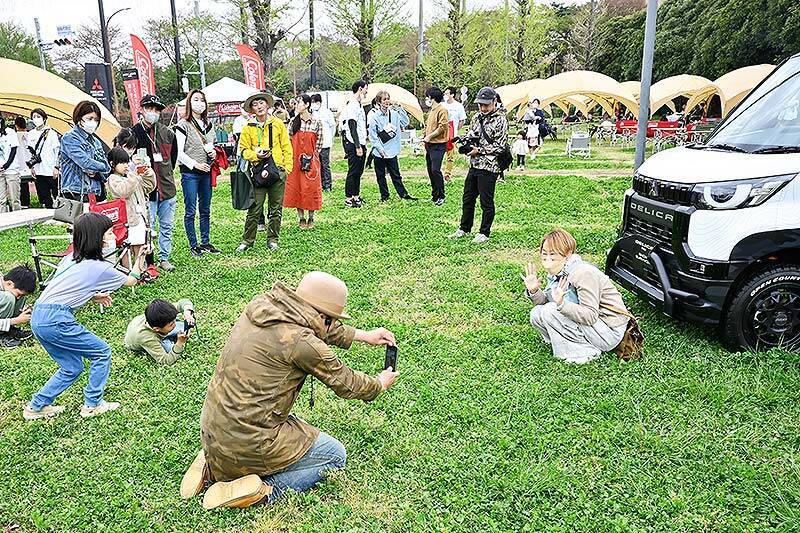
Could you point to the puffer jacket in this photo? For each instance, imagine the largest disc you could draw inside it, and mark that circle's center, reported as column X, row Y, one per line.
column 246, row 424
column 135, row 189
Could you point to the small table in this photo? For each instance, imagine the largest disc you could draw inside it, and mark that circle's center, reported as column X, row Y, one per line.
column 24, row 217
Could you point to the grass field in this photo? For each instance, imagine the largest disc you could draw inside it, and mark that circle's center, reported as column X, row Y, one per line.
column 483, row 431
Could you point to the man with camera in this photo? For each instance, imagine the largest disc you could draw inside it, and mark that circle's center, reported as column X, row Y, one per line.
column 162, row 331
column 487, row 138
column 385, row 126
column 253, row 446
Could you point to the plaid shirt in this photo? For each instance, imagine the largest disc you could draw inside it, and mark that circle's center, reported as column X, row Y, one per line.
column 495, row 125
column 313, row 125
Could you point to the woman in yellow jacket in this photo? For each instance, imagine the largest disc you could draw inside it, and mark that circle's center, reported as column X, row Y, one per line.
column 256, row 146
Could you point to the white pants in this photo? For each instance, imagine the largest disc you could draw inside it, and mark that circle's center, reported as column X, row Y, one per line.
column 9, row 191
column 573, row 342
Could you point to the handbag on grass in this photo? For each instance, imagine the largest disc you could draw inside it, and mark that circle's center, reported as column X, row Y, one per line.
column 632, row 343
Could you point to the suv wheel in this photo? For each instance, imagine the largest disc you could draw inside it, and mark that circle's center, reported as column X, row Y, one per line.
column 765, row 312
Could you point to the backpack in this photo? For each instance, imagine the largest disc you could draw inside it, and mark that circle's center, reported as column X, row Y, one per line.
column 504, row 158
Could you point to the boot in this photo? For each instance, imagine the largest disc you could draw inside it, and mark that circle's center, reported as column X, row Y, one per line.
column 196, row 477
column 239, row 493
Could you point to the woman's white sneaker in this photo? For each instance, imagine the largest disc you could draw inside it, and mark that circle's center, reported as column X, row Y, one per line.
column 480, row 238
column 48, row 411
column 99, row 409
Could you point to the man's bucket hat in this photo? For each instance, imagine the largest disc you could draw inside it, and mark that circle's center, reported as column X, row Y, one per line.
column 248, row 104
column 325, row 293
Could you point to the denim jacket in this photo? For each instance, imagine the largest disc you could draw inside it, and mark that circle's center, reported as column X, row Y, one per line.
column 81, row 153
column 378, row 121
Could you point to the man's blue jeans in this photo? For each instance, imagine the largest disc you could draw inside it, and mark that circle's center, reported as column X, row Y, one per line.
column 324, row 455
column 165, row 211
column 68, row 343
column 196, row 190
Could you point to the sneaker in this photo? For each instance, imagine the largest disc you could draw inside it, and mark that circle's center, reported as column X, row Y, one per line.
column 99, row 409
column 458, row 234
column 262, row 227
column 447, row 178
column 272, row 246
column 17, row 333
column 242, row 248
column 302, row 223
column 152, row 273
column 352, row 202
column 195, row 477
column 310, row 224
column 166, row 266
column 210, row 248
column 480, row 238
column 7, row 341
column 239, row 493
column 361, row 200
column 196, row 252
column 48, row 411
column 410, row 198
column 438, row 202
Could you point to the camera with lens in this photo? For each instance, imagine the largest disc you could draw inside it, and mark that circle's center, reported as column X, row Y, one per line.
column 466, row 144
column 34, row 159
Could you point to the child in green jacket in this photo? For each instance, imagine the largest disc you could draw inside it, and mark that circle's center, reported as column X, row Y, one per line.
column 160, row 331
column 14, row 290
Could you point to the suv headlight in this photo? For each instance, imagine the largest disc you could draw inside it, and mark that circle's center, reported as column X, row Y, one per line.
column 739, row 193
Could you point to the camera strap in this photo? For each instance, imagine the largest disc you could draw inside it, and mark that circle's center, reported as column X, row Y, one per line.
column 311, row 396
column 37, row 150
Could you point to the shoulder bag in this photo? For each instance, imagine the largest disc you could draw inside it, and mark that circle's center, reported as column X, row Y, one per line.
column 632, row 343
column 504, row 158
column 265, row 173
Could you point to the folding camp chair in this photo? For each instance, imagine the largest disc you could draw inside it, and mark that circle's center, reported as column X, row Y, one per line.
column 578, row 144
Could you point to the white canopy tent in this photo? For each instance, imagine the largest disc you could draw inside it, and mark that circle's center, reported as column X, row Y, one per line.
column 225, row 90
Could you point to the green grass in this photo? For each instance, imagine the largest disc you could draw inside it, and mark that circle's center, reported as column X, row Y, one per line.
column 483, row 431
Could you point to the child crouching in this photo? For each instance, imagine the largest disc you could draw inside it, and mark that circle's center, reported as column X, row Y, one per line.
column 579, row 312
column 159, row 333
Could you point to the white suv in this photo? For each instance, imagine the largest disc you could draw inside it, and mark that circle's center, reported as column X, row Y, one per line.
column 711, row 232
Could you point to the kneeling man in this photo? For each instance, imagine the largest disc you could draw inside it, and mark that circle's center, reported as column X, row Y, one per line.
column 253, row 447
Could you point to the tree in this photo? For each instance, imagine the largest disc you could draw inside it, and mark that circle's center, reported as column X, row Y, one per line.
column 585, row 33
column 454, row 36
column 17, row 44
column 375, row 28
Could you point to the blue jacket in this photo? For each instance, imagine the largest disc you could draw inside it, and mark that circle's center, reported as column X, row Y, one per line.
column 81, row 153
column 378, row 120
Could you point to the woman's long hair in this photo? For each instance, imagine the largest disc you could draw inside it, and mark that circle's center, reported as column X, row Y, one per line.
column 295, row 126
column 188, row 114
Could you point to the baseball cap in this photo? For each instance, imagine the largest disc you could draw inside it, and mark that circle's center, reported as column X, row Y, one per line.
column 486, row 95
column 152, row 100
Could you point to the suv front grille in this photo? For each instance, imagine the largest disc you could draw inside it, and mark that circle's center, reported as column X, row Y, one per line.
column 642, row 227
column 663, row 191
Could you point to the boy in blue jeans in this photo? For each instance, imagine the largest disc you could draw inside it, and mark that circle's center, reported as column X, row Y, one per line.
column 159, row 333
column 14, row 290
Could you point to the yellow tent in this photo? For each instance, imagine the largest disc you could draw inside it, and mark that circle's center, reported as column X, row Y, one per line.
column 24, row 87
column 663, row 92
column 397, row 94
column 731, row 87
column 635, row 87
column 513, row 95
column 587, row 86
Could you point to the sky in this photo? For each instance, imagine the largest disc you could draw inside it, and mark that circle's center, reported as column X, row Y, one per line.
column 53, row 13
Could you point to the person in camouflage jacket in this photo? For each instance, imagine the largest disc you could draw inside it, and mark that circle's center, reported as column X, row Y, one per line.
column 489, row 133
column 247, row 427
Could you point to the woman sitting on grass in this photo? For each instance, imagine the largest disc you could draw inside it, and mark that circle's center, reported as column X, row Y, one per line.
column 580, row 311
column 83, row 277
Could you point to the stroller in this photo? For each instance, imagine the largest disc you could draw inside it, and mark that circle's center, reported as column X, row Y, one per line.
column 46, row 261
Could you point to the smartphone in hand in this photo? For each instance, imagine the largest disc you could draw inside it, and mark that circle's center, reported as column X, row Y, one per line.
column 391, row 358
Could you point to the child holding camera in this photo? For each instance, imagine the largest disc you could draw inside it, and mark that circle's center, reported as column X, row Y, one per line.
column 83, row 277
column 15, row 287
column 132, row 180
column 579, row 312
column 160, row 332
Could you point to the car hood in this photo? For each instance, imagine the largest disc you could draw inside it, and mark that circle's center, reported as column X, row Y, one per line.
column 686, row 165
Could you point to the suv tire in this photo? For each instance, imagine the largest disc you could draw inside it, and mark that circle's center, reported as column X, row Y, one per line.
column 765, row 312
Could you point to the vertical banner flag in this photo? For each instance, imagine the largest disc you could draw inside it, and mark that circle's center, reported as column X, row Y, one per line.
column 253, row 67
column 130, row 77
column 144, row 64
column 97, row 83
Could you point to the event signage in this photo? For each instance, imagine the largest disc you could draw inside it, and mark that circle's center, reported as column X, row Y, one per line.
column 130, row 77
column 97, row 83
column 253, row 67
column 144, row 64
column 228, row 108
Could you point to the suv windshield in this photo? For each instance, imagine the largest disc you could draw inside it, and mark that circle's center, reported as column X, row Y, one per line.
column 768, row 120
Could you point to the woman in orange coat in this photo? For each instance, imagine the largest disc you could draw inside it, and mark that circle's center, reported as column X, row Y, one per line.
column 304, row 183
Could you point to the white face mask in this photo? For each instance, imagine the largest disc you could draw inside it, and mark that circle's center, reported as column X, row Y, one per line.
column 198, row 106
column 428, row 102
column 316, row 106
column 38, row 121
column 109, row 246
column 89, row 126
column 151, row 117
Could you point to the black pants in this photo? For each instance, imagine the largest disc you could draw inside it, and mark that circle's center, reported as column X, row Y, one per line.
column 355, row 169
column 478, row 183
column 325, row 163
column 434, row 155
column 46, row 190
column 390, row 164
column 520, row 160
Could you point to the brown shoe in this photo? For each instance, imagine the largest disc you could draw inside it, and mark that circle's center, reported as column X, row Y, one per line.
column 196, row 477
column 310, row 224
column 303, row 224
column 239, row 493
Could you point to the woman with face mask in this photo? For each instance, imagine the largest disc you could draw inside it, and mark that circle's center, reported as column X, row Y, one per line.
column 43, row 144
column 580, row 313
column 82, row 159
column 9, row 169
column 132, row 179
column 194, row 135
